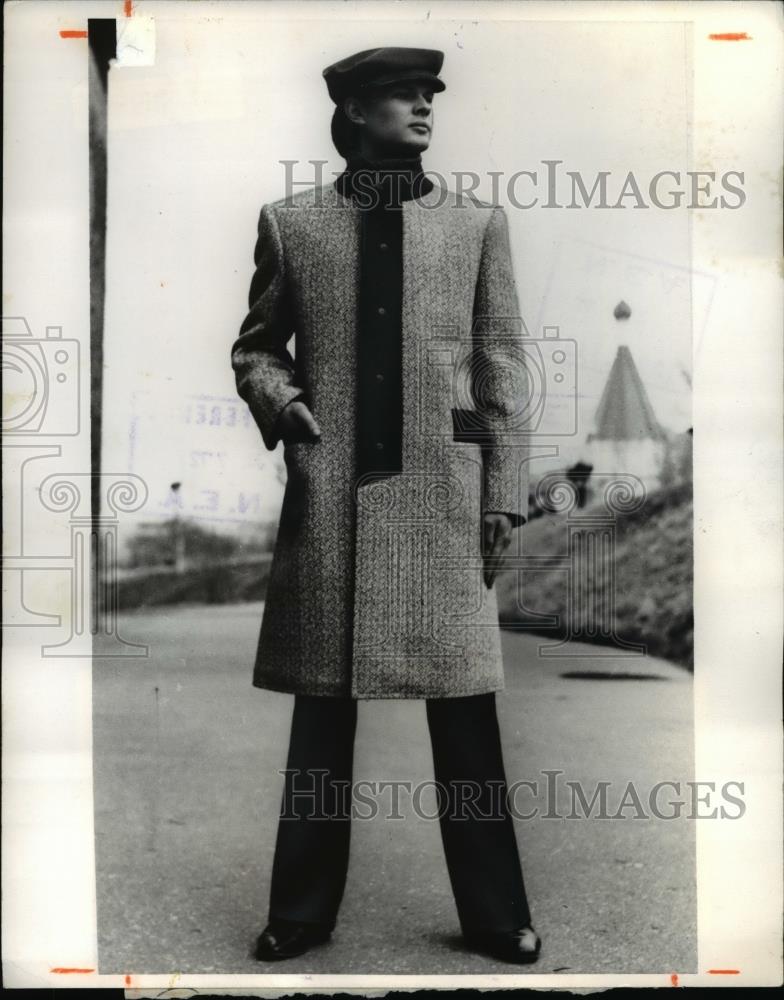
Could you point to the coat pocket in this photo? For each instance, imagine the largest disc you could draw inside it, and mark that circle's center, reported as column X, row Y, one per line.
column 469, row 427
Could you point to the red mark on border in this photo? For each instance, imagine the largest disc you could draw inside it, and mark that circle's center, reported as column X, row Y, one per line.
column 128, row 7
column 674, row 979
column 730, row 36
column 62, row 970
column 724, row 972
column 127, row 980
column 72, row 33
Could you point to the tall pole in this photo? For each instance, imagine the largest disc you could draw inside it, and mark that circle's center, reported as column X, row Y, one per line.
column 177, row 532
column 102, row 46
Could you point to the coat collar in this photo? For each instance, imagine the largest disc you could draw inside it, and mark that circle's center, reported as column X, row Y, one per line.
column 383, row 183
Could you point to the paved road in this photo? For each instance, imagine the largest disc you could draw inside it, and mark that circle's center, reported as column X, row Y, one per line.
column 187, row 792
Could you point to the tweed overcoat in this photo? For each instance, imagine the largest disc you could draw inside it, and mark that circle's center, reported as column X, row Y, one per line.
column 376, row 588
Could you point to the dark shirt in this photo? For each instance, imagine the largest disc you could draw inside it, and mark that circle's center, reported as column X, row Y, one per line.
column 379, row 190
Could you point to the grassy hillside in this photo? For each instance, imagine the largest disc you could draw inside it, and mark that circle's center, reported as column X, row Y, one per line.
column 653, row 579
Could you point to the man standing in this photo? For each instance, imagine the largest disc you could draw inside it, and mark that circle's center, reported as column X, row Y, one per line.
column 398, row 411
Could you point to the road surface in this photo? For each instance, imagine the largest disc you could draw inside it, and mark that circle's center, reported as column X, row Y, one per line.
column 187, row 791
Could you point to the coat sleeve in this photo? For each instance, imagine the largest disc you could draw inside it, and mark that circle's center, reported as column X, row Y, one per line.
column 263, row 367
column 499, row 377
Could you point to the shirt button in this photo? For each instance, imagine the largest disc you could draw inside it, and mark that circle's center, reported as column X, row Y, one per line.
column 379, row 445
column 382, row 311
column 383, row 246
column 379, row 377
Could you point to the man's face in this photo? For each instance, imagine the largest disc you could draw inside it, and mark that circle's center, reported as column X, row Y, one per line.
column 396, row 119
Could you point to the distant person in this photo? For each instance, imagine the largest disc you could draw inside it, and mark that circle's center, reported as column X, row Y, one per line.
column 579, row 475
column 396, row 510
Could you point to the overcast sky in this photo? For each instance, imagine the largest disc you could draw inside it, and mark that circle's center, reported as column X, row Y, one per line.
column 194, row 147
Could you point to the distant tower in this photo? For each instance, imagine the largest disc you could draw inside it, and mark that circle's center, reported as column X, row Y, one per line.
column 626, row 437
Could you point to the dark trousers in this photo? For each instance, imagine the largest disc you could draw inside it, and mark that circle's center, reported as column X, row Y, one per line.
column 312, row 848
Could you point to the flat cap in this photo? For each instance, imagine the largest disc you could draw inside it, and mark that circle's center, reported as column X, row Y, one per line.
column 376, row 67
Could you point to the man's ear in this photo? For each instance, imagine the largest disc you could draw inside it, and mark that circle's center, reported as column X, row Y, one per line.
column 352, row 109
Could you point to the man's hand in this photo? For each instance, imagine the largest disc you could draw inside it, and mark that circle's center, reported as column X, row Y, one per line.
column 496, row 536
column 297, row 423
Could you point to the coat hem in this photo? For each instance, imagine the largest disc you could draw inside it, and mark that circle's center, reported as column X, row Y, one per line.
column 422, row 695
column 282, row 688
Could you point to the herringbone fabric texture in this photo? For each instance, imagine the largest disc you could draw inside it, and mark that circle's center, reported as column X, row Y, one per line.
column 376, row 590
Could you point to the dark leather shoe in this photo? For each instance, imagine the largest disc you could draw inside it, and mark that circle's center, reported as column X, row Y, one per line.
column 287, row 939
column 520, row 946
